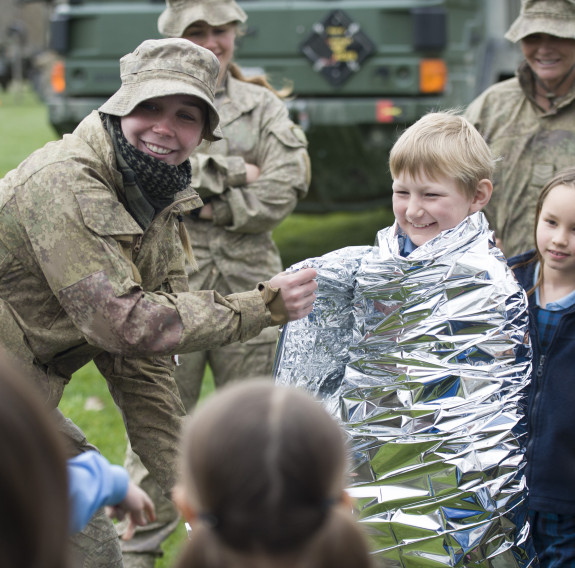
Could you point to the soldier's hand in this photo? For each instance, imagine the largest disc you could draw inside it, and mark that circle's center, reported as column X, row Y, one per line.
column 139, row 508
column 296, row 295
column 252, row 173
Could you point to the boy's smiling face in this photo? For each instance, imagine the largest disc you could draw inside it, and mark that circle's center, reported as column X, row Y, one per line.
column 424, row 207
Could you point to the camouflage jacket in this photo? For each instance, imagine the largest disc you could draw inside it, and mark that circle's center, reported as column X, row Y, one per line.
column 80, row 281
column 238, row 244
column 532, row 145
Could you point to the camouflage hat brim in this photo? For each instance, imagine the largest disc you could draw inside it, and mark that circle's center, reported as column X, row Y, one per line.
column 174, row 20
column 527, row 24
column 130, row 95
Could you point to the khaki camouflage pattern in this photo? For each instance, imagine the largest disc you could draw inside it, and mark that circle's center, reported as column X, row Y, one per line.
column 532, row 145
column 79, row 282
column 97, row 545
column 553, row 17
column 238, row 243
column 179, row 14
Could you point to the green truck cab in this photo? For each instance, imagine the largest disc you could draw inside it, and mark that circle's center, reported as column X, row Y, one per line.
column 361, row 71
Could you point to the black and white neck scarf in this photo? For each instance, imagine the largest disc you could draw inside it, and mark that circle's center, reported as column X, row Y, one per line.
column 150, row 184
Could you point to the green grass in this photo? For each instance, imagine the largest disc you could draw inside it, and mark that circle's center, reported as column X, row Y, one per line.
column 23, row 128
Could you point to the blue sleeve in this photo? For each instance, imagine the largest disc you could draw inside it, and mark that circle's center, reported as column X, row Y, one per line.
column 93, row 483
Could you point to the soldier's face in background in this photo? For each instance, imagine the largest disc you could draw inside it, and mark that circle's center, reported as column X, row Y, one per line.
column 168, row 128
column 220, row 40
column 550, row 58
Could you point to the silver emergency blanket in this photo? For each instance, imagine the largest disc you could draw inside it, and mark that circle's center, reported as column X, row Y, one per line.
column 425, row 361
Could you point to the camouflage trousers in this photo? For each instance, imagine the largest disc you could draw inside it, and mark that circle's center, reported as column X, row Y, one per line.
column 232, row 362
column 97, row 546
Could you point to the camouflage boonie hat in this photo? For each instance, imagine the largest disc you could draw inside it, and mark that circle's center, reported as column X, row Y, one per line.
column 552, row 17
column 179, row 14
column 162, row 67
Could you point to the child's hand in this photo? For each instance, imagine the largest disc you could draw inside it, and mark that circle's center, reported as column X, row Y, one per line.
column 139, row 508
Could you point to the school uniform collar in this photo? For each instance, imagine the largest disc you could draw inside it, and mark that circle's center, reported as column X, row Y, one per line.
column 561, row 304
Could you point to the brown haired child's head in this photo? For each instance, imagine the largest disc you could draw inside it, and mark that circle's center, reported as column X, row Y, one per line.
column 264, row 470
column 33, row 480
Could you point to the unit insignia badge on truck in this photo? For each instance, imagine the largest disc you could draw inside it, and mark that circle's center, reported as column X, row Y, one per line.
column 337, row 47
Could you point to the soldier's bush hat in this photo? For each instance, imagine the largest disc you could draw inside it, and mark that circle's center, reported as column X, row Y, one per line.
column 161, row 67
column 552, row 17
column 179, row 14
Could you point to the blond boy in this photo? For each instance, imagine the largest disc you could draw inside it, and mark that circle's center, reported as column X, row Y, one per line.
column 417, row 345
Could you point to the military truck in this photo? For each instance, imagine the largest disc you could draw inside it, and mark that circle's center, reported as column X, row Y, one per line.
column 361, row 71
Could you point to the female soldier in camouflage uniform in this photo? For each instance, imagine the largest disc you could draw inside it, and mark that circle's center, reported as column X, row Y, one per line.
column 92, row 262
column 530, row 120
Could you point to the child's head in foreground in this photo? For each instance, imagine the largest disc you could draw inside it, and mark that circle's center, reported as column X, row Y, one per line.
column 34, row 515
column 441, row 168
column 264, row 471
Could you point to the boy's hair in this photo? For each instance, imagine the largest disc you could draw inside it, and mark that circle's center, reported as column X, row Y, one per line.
column 443, row 144
column 264, row 467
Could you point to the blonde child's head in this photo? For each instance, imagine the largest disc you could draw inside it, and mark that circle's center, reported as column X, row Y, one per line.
column 441, row 169
column 264, row 470
column 443, row 144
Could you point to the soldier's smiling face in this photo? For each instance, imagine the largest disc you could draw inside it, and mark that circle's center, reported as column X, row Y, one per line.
column 220, row 40
column 550, row 57
column 168, row 128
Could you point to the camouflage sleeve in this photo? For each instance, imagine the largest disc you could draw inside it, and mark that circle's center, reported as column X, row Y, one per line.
column 74, row 239
column 284, row 175
column 212, row 174
column 148, row 398
column 140, row 323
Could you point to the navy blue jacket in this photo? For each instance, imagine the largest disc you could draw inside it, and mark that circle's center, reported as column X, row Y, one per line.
column 550, row 454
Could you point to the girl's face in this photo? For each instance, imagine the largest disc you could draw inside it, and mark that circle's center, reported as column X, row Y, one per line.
column 167, row 128
column 220, row 40
column 549, row 57
column 556, row 230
